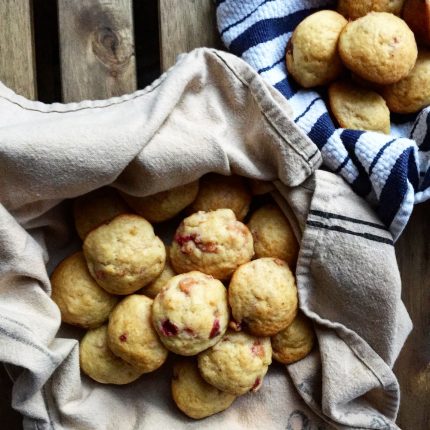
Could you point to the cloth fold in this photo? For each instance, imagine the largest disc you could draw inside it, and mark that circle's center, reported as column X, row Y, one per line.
column 210, row 113
column 392, row 172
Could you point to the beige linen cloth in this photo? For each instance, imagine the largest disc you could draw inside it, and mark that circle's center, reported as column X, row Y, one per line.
column 210, row 112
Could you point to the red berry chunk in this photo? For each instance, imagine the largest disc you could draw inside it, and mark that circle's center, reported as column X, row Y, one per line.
column 207, row 247
column 215, row 329
column 186, row 284
column 183, row 239
column 99, row 274
column 169, row 329
column 257, row 349
column 123, row 337
column 256, row 385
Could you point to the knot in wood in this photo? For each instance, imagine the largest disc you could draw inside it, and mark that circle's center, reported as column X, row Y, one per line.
column 111, row 49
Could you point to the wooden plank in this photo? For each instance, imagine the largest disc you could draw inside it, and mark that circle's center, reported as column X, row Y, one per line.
column 185, row 25
column 413, row 366
column 17, row 62
column 17, row 71
column 96, row 48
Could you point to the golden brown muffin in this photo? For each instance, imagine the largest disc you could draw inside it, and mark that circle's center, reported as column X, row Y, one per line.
column 353, row 9
column 312, row 57
column 378, row 47
column 99, row 363
column 164, row 205
column 357, row 108
column 124, row 254
column 190, row 314
column 193, row 395
column 95, row 208
column 273, row 235
column 416, row 13
column 154, row 287
column 263, row 296
column 223, row 192
column 214, row 243
column 294, row 342
column 259, row 188
column 237, row 363
column 81, row 301
column 412, row 93
column 132, row 337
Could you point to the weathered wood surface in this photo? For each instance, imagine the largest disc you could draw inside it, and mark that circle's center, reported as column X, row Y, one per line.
column 17, row 61
column 97, row 61
column 185, row 25
column 413, row 365
column 17, row 71
column 96, row 49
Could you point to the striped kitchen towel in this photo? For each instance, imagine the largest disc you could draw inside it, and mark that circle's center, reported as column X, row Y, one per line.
column 391, row 171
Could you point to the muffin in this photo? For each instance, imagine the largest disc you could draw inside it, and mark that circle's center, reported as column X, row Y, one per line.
column 353, row 9
column 132, row 337
column 190, row 314
column 99, row 363
column 124, row 254
column 416, row 13
column 357, row 108
column 80, row 299
column 154, row 287
column 259, row 188
column 95, row 208
column 378, row 47
column 237, row 363
column 412, row 93
column 294, row 342
column 312, row 57
column 195, row 397
column 273, row 235
column 223, row 192
column 214, row 243
column 164, row 205
column 263, row 296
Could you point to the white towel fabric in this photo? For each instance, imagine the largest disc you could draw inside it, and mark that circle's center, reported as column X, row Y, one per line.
column 211, row 112
column 392, row 172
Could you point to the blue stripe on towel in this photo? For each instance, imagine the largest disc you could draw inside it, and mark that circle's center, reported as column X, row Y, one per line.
column 322, row 130
column 265, row 69
column 265, row 30
column 385, row 173
column 425, row 145
column 244, row 17
column 308, row 108
column 361, row 184
column 379, row 155
column 394, row 190
column 286, row 88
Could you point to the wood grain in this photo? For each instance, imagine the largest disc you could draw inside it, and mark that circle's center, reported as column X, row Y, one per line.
column 185, row 25
column 413, row 366
column 17, row 71
column 17, row 61
column 96, row 48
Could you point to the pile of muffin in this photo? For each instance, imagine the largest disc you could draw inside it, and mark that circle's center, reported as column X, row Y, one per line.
column 369, row 57
column 223, row 291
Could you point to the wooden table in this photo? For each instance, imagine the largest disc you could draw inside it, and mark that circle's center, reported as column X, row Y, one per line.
column 100, row 44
